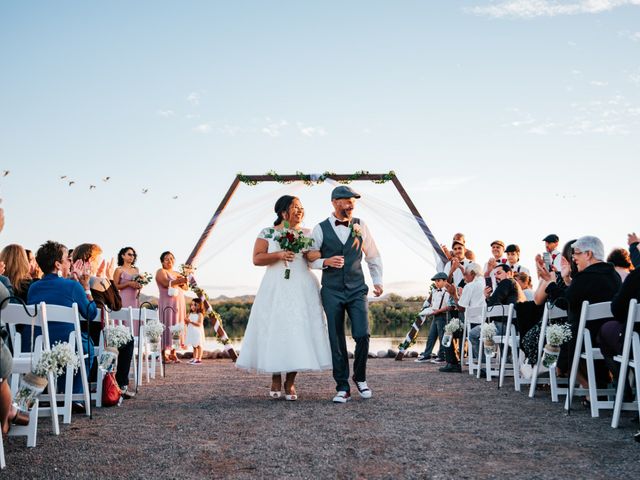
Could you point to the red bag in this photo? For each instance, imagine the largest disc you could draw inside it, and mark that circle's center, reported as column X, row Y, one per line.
column 111, row 392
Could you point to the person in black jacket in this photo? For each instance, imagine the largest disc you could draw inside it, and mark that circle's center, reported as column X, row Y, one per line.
column 596, row 281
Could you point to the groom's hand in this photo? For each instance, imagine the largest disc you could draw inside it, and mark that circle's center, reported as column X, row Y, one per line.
column 335, row 262
column 377, row 290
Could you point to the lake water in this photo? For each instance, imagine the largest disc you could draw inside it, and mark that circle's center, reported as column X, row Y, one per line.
column 383, row 337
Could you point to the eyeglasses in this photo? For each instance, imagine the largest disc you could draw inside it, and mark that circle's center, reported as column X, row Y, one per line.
column 129, row 254
column 577, row 253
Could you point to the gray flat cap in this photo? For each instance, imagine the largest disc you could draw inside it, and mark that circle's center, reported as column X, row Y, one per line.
column 343, row 192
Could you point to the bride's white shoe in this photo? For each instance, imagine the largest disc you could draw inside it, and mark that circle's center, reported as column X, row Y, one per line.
column 273, row 394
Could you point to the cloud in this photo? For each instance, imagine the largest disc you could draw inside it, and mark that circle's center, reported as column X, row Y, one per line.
column 611, row 116
column 273, row 129
column 546, row 8
column 633, row 36
column 230, row 130
column 194, row 98
column 165, row 113
column 598, row 83
column 311, row 131
column 203, row 128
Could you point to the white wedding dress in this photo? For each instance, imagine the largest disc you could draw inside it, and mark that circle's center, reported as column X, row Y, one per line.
column 287, row 330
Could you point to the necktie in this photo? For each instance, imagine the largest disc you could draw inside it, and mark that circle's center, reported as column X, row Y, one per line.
column 344, row 224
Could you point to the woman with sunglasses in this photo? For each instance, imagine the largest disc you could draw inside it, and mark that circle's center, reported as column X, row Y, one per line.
column 124, row 277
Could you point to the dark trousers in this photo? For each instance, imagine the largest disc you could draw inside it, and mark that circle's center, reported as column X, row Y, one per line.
column 450, row 351
column 336, row 303
column 436, row 331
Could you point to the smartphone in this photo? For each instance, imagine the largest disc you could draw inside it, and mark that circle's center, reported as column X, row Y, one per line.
column 488, row 282
column 546, row 258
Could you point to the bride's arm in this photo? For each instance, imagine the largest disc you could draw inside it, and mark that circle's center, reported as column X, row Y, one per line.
column 261, row 258
column 312, row 255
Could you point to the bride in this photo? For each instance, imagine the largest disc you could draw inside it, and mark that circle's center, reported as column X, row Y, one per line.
column 287, row 329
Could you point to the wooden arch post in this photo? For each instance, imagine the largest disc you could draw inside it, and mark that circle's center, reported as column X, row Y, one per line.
column 309, row 179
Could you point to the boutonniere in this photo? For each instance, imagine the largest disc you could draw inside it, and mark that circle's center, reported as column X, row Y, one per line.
column 356, row 230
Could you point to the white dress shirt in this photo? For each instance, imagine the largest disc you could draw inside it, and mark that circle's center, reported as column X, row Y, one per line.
column 516, row 268
column 369, row 248
column 439, row 299
column 458, row 275
column 557, row 260
column 473, row 294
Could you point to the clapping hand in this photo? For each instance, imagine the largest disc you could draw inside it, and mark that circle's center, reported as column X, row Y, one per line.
column 632, row 238
column 565, row 270
column 541, row 268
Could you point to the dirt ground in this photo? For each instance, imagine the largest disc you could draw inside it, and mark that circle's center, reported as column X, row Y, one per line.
column 215, row 421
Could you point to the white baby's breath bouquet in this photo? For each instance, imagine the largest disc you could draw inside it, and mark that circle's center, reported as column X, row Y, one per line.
column 57, row 360
column 488, row 330
column 453, row 326
column 176, row 330
column 558, row 334
column 116, row 336
column 153, row 331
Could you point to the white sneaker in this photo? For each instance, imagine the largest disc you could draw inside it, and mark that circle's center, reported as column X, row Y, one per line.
column 342, row 397
column 364, row 390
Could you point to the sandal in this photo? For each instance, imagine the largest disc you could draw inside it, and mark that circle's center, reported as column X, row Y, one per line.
column 291, row 396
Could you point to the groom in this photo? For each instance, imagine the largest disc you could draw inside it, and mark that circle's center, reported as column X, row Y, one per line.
column 342, row 240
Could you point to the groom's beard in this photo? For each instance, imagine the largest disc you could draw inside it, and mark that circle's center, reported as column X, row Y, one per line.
column 346, row 214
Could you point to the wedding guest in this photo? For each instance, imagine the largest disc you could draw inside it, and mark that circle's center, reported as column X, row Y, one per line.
column 34, row 270
column 551, row 243
column 472, row 295
column 195, row 329
column 497, row 258
column 105, row 295
column 9, row 414
column 171, row 304
column 457, row 237
column 438, row 311
column 621, row 261
column 454, row 268
column 17, row 269
column 634, row 249
column 524, row 280
column 595, row 282
column 505, row 294
column 124, row 277
column 513, row 259
column 57, row 289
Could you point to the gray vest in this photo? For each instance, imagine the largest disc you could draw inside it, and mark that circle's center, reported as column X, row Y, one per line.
column 350, row 276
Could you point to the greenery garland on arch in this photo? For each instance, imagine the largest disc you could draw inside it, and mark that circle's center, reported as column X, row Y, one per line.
column 310, row 180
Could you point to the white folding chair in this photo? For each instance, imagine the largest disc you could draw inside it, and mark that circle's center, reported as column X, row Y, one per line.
column 124, row 317
column 492, row 312
column 510, row 341
column 552, row 313
column 472, row 316
column 69, row 315
column 155, row 358
column 14, row 314
column 138, row 320
column 631, row 344
column 589, row 312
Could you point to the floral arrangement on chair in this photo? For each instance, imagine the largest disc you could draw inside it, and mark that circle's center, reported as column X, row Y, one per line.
column 487, row 332
column 153, row 331
column 556, row 336
column 115, row 336
column 55, row 361
column 450, row 328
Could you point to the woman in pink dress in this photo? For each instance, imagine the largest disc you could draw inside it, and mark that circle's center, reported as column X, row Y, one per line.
column 124, row 276
column 171, row 304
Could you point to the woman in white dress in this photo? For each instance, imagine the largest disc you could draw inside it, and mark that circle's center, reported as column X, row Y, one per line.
column 287, row 330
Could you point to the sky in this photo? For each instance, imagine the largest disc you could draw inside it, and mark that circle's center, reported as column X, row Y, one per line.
column 506, row 119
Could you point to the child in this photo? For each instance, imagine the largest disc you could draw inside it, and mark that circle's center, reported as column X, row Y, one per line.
column 195, row 330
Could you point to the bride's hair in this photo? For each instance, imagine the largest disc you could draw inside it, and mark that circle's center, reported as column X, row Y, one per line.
column 281, row 206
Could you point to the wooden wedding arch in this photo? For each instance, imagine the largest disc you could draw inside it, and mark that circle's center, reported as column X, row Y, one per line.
column 309, row 179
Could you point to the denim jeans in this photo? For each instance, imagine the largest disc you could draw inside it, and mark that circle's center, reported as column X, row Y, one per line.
column 435, row 331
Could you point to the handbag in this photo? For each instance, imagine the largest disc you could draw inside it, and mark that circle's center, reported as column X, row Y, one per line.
column 111, row 392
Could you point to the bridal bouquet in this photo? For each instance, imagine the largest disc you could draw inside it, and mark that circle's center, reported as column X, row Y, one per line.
column 291, row 241
column 556, row 336
column 449, row 329
column 143, row 279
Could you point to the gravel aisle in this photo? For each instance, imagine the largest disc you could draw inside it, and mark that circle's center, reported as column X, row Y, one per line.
column 214, row 421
